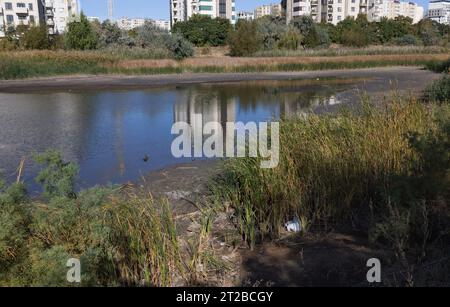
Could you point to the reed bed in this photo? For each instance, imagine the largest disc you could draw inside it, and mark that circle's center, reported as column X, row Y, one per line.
column 335, row 170
column 347, row 51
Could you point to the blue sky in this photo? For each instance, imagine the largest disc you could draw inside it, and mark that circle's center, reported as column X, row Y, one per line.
column 159, row 9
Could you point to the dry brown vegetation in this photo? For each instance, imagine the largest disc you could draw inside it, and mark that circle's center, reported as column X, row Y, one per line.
column 233, row 62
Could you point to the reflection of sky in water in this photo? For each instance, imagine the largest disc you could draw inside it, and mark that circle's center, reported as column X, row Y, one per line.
column 109, row 133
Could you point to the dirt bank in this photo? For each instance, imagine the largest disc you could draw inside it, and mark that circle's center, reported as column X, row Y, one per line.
column 407, row 77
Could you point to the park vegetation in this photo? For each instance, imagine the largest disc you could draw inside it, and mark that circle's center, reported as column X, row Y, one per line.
column 381, row 171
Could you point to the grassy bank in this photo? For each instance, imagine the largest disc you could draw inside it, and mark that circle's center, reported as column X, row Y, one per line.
column 382, row 172
column 20, row 65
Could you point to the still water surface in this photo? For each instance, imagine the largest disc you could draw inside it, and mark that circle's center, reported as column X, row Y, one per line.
column 109, row 132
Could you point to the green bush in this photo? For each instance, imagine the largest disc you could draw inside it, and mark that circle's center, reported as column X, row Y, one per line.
column 406, row 40
column 179, row 46
column 36, row 37
column 58, row 177
column 245, row 39
column 439, row 91
column 121, row 239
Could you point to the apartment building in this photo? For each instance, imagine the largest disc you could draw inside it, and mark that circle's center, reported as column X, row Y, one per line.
column 439, row 11
column 378, row 9
column 130, row 23
column 268, row 10
column 20, row 12
column 334, row 11
column 245, row 15
column 182, row 10
column 162, row 24
column 59, row 13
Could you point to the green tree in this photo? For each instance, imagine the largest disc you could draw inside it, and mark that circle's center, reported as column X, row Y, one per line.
column 80, row 35
column 202, row 30
column 291, row 39
column 108, row 33
column 428, row 31
column 271, row 29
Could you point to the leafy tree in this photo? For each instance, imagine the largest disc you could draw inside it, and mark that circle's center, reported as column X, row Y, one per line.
column 354, row 32
column 202, row 30
column 80, row 35
column 245, row 40
column 291, row 39
column 388, row 29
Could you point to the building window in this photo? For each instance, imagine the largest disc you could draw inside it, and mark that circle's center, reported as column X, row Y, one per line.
column 21, row 5
column 8, row 6
column 30, row 6
column 9, row 19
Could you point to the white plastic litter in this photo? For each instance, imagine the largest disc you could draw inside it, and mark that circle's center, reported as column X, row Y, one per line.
column 294, row 225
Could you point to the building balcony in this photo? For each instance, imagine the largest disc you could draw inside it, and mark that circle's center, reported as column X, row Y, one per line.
column 21, row 11
column 50, row 22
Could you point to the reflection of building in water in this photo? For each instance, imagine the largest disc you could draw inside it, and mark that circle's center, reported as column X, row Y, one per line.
column 292, row 106
column 211, row 106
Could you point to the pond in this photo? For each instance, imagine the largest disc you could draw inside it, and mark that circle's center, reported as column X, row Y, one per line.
column 110, row 133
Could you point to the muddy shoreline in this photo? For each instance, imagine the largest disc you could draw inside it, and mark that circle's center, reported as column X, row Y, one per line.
column 414, row 75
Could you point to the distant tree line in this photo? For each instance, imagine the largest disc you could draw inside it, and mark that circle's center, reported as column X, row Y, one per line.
column 85, row 35
column 269, row 33
column 244, row 39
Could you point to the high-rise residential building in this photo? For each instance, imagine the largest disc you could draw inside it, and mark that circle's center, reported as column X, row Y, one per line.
column 20, row 12
column 245, row 15
column 439, row 11
column 378, row 9
column 334, row 11
column 59, row 13
column 182, row 10
column 268, row 10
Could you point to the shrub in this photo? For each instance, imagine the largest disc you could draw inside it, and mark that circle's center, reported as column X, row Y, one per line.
column 35, row 37
column 179, row 47
column 245, row 40
column 354, row 38
column 58, row 177
column 439, row 91
column 406, row 40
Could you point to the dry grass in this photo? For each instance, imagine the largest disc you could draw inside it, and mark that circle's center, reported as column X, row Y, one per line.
column 232, row 62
